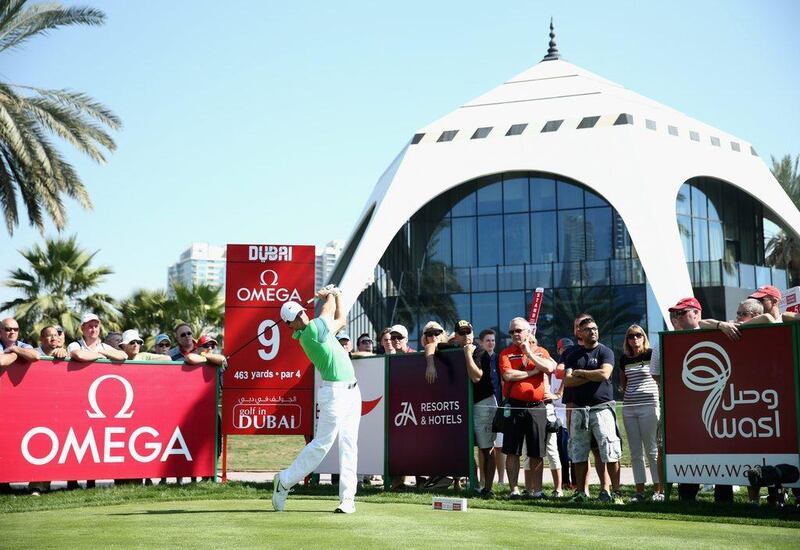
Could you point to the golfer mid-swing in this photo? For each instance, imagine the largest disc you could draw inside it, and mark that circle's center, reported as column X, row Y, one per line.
column 339, row 400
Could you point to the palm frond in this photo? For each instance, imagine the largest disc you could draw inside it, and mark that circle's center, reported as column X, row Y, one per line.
column 38, row 19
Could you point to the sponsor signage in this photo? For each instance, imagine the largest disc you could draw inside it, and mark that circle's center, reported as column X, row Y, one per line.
column 729, row 405
column 267, row 411
column 429, row 425
column 66, row 420
column 370, row 373
column 259, row 280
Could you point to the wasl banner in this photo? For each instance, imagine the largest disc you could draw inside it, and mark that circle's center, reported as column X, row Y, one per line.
column 729, row 405
column 63, row 421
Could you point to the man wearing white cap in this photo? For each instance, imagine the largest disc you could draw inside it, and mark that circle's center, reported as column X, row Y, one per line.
column 339, row 400
column 90, row 347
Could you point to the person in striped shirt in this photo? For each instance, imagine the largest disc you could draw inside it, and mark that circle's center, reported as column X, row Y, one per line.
column 641, row 411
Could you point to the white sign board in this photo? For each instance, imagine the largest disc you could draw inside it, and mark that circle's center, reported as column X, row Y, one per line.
column 370, row 373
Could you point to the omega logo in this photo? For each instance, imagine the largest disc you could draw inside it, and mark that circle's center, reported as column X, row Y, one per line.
column 268, row 291
column 105, row 447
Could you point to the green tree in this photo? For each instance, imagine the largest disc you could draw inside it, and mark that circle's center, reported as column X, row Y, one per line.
column 31, row 167
column 201, row 306
column 783, row 250
column 148, row 312
column 58, row 285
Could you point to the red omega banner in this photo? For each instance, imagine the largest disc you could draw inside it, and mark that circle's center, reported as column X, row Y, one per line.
column 729, row 405
column 63, row 421
column 429, row 425
column 259, row 280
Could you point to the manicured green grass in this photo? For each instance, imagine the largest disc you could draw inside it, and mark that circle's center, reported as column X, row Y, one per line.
column 310, row 523
column 253, row 453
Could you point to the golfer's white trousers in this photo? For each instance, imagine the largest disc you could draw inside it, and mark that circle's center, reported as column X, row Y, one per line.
column 339, row 415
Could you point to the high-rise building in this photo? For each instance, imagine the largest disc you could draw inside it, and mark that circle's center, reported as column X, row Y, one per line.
column 201, row 263
column 326, row 259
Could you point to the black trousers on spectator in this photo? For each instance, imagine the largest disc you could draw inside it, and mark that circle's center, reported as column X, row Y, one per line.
column 566, row 466
column 722, row 493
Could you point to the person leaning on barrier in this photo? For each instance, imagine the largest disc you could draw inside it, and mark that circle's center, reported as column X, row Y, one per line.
column 132, row 343
column 50, row 343
column 524, row 366
column 90, row 347
column 162, row 344
column 12, row 347
column 770, row 299
column 588, row 370
column 641, row 411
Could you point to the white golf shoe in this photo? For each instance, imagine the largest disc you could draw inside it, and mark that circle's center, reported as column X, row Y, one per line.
column 279, row 493
column 345, row 507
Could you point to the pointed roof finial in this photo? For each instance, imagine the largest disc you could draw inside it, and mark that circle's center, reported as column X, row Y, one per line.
column 552, row 51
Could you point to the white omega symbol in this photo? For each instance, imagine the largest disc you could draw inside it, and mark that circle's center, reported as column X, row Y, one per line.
column 274, row 277
column 124, row 412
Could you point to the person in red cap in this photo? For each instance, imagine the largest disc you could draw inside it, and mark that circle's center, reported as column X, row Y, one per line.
column 770, row 298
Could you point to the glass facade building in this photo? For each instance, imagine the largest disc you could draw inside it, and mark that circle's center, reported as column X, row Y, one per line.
column 479, row 251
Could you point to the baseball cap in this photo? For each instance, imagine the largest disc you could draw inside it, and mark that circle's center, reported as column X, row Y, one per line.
column 290, row 311
column 463, row 327
column 205, row 339
column 130, row 335
column 161, row 337
column 432, row 325
column 766, row 290
column 343, row 336
column 687, row 303
column 400, row 329
column 564, row 343
column 89, row 317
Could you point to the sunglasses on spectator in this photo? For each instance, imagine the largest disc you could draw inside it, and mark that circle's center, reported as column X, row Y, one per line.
column 516, row 331
column 434, row 332
column 209, row 346
column 365, row 341
column 137, row 342
column 11, row 329
column 184, row 334
column 742, row 313
column 680, row 313
column 635, row 335
column 164, row 344
column 398, row 337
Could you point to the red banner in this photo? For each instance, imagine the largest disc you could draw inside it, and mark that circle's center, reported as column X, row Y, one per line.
column 259, row 280
column 535, row 308
column 268, row 386
column 267, row 412
column 729, row 405
column 63, row 421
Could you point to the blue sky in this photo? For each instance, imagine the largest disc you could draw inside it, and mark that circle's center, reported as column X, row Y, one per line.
column 271, row 121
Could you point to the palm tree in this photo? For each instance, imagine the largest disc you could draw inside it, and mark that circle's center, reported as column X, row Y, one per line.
column 148, row 312
column 783, row 250
column 30, row 165
column 201, row 306
column 57, row 286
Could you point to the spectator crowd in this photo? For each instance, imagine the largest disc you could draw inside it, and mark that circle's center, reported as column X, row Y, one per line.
column 529, row 405
column 563, row 408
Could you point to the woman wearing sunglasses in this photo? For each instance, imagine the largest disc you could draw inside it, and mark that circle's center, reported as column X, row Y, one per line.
column 641, row 411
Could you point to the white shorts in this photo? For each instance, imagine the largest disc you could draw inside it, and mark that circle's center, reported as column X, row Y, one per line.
column 482, row 416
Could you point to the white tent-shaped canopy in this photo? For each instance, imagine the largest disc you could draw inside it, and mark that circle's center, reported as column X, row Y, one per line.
column 636, row 155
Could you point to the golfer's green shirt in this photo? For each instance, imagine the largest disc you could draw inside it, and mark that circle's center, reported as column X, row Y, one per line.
column 325, row 351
